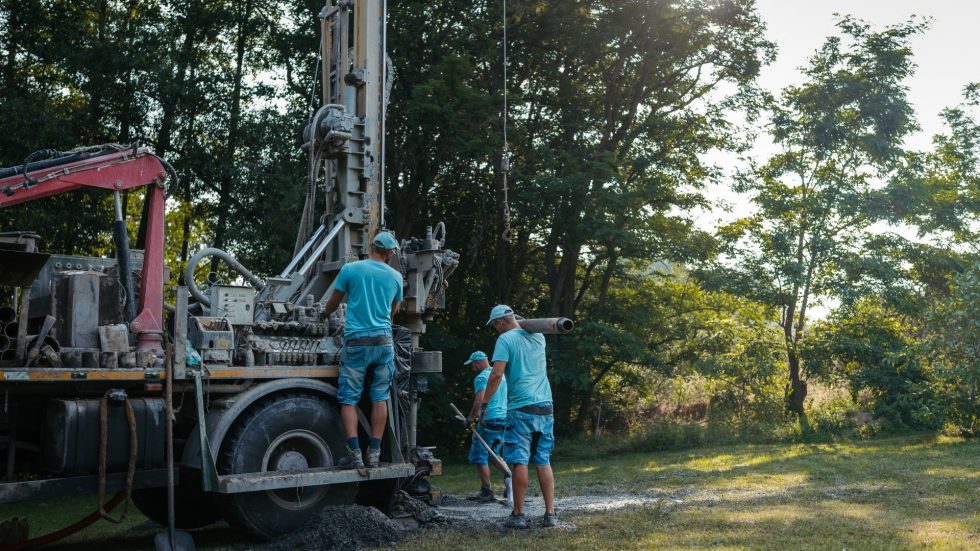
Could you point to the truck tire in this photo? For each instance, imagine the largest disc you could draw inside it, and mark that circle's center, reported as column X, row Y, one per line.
column 192, row 507
column 283, row 432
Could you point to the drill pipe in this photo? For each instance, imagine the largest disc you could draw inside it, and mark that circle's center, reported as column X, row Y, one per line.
column 4, row 343
column 7, row 314
column 10, row 330
column 547, row 326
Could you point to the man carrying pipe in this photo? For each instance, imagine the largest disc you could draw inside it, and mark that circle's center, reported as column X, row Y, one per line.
column 529, row 434
column 490, row 427
column 373, row 290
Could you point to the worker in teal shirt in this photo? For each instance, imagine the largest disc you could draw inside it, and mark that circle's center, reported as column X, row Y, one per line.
column 491, row 427
column 373, row 290
column 529, row 435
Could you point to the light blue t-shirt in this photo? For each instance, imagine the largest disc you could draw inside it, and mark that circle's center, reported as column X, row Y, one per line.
column 527, row 369
column 371, row 287
column 497, row 407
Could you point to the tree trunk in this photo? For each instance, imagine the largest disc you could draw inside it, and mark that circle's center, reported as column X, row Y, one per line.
column 228, row 173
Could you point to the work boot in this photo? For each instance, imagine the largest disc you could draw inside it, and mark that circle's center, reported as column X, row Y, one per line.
column 550, row 520
column 516, row 521
column 352, row 460
column 486, row 495
column 373, row 457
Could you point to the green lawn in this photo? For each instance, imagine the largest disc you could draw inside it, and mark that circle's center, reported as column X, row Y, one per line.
column 897, row 493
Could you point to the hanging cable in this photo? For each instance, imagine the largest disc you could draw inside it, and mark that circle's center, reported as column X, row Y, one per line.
column 384, row 99
column 505, row 233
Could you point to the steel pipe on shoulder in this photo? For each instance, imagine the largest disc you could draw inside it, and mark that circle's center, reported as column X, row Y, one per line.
column 547, row 326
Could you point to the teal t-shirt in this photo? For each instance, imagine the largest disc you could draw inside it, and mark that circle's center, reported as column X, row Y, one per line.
column 527, row 369
column 497, row 407
column 371, row 287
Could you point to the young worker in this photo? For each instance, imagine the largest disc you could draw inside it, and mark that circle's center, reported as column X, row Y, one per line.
column 491, row 427
column 373, row 290
column 529, row 436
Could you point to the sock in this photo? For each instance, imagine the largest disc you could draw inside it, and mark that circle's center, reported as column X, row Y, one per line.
column 353, row 444
column 485, row 487
column 375, row 443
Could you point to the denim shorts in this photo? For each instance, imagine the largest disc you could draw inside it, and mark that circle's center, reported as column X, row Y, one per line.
column 529, row 438
column 494, row 437
column 354, row 363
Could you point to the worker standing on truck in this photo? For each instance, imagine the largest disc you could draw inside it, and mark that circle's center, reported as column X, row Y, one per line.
column 373, row 290
column 529, row 433
column 490, row 427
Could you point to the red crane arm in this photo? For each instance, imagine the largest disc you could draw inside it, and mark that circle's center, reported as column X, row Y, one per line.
column 116, row 171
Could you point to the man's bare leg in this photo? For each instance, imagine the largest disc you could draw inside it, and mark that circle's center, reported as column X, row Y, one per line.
column 379, row 417
column 348, row 415
column 546, row 477
column 520, row 487
column 484, row 471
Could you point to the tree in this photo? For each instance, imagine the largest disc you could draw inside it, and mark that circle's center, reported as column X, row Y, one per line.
column 871, row 349
column 839, row 133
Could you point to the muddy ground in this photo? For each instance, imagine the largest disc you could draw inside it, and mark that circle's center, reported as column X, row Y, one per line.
column 354, row 527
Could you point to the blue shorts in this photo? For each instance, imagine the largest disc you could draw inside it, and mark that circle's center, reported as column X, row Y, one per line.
column 529, row 438
column 354, row 363
column 494, row 437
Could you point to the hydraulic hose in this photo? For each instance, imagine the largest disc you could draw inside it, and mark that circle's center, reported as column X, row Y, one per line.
column 229, row 260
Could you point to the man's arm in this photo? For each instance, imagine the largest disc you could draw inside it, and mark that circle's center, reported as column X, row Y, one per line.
column 333, row 302
column 493, row 383
column 477, row 402
column 394, row 308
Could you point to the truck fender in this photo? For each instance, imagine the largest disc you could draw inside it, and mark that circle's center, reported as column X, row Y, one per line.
column 223, row 413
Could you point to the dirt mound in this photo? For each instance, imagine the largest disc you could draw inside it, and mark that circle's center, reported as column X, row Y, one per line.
column 341, row 528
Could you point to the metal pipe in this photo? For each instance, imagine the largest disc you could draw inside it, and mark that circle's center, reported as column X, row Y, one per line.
column 7, row 314
column 4, row 343
column 321, row 247
column 229, row 260
column 8, row 355
column 120, row 235
column 10, row 330
column 547, row 326
column 302, row 252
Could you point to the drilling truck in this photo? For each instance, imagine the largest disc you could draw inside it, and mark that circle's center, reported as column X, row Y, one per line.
column 88, row 346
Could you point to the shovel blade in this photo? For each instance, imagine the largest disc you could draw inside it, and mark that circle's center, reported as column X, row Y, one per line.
column 182, row 542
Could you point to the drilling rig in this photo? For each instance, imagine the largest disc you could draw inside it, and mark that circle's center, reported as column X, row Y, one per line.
column 89, row 344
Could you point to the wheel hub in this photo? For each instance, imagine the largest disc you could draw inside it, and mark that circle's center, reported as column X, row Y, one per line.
column 295, row 450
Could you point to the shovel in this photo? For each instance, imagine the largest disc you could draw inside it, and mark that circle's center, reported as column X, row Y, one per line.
column 494, row 458
column 172, row 539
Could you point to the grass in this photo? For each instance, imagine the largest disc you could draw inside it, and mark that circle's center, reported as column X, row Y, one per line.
column 895, row 493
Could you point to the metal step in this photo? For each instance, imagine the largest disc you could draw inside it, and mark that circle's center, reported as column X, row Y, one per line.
column 278, row 480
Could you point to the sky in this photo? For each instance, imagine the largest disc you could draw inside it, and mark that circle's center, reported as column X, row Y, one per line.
column 946, row 57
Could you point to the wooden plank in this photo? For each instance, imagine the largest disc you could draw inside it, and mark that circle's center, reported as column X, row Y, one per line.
column 278, row 480
column 55, row 374
column 269, row 372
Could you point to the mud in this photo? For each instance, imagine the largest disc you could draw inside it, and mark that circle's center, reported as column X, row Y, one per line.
column 355, row 527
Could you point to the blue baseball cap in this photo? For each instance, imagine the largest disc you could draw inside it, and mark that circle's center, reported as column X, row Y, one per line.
column 500, row 311
column 386, row 241
column 475, row 357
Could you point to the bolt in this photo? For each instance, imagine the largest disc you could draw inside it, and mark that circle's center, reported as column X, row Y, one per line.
column 118, row 184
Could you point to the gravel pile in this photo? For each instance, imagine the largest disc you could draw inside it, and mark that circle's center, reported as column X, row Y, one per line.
column 341, row 528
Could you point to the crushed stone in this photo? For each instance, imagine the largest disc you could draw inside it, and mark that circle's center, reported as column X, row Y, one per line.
column 341, row 528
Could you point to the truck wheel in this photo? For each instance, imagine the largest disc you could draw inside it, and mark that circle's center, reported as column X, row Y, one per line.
column 290, row 432
column 192, row 507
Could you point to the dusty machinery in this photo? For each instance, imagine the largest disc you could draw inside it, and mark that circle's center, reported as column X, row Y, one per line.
column 88, row 343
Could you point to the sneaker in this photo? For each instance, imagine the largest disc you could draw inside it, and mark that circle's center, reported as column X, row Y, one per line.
column 516, row 521
column 486, row 495
column 373, row 457
column 550, row 520
column 352, row 460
